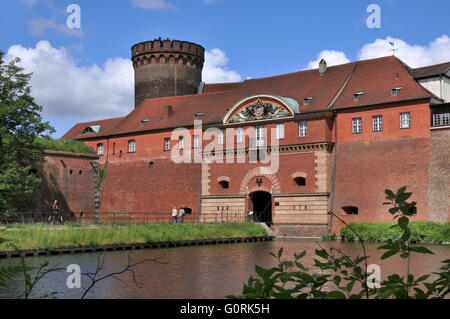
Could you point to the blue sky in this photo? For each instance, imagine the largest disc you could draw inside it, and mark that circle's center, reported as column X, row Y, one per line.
column 243, row 38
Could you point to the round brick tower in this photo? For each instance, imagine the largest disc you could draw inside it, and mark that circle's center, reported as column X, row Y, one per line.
column 166, row 68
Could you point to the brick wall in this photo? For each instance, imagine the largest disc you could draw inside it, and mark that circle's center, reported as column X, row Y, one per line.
column 70, row 178
column 439, row 179
column 151, row 186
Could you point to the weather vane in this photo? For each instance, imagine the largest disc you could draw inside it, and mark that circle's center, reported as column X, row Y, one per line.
column 393, row 47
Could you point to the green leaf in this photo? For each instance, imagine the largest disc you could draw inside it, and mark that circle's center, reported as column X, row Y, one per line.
column 301, row 255
column 393, row 210
column 260, row 271
column 335, row 295
column 350, row 286
column 322, row 253
column 400, row 191
column 403, row 197
column 389, row 253
column 280, row 252
column 421, row 250
column 389, row 194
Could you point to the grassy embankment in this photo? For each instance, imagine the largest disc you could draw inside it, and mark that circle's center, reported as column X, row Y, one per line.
column 64, row 145
column 421, row 231
column 38, row 237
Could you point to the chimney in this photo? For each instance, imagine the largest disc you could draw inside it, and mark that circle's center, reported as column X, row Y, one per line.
column 322, row 67
column 168, row 111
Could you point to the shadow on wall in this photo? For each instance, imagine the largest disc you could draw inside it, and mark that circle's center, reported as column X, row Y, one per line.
column 50, row 191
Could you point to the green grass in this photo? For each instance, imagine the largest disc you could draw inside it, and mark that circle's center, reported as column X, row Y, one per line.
column 38, row 237
column 64, row 145
column 421, row 231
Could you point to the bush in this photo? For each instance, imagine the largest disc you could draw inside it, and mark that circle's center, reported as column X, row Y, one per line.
column 421, row 231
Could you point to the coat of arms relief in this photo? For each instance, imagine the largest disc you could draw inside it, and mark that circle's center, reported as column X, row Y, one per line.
column 260, row 110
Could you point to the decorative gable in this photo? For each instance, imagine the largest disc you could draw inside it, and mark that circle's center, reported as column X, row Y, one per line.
column 259, row 108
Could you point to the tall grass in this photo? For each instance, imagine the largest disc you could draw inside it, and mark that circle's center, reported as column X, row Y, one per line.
column 35, row 237
column 421, row 231
column 64, row 145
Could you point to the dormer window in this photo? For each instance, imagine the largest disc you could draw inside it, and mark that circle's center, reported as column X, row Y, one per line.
column 358, row 96
column 91, row 129
column 143, row 122
column 395, row 91
column 307, row 101
column 198, row 115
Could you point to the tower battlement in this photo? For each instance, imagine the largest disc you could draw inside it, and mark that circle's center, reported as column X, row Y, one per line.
column 168, row 52
column 165, row 68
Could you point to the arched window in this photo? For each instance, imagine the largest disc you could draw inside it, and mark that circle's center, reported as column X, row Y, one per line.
column 299, row 178
column 224, row 181
column 132, row 146
column 350, row 210
column 100, row 149
column 300, row 181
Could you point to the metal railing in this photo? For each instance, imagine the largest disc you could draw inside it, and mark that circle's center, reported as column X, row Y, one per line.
column 128, row 217
column 91, row 218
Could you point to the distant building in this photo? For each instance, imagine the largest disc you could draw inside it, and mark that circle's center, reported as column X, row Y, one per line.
column 341, row 134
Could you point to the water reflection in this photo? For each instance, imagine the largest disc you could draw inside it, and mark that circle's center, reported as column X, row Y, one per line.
column 201, row 271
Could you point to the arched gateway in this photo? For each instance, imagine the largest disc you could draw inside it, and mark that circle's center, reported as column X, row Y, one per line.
column 260, row 203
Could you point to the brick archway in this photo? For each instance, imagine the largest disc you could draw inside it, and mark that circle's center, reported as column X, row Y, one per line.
column 260, row 171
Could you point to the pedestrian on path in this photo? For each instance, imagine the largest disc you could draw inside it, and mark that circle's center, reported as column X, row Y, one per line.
column 174, row 215
column 182, row 213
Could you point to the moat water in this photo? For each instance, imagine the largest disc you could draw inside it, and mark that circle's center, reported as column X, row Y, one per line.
column 199, row 272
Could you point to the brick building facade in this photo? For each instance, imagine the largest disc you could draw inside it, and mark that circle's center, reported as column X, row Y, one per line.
column 289, row 148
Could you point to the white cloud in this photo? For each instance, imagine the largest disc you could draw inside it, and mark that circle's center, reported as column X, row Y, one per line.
column 68, row 91
column 39, row 25
column 437, row 51
column 215, row 70
column 332, row 57
column 153, row 4
column 77, row 93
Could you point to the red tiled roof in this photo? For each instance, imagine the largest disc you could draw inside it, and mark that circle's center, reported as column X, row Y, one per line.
column 429, row 71
column 376, row 77
column 106, row 126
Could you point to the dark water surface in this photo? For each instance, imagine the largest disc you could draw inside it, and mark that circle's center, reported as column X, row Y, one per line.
column 199, row 272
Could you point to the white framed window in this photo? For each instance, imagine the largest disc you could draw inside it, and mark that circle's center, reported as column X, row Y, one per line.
column 196, row 141
column 356, row 125
column 181, row 143
column 260, row 136
column 377, row 123
column 220, row 137
column 302, row 128
column 132, row 146
column 280, row 131
column 240, row 135
column 167, row 144
column 100, row 149
column 441, row 119
column 405, row 120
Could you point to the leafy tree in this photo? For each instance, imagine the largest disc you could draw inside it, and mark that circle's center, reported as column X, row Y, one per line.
column 20, row 124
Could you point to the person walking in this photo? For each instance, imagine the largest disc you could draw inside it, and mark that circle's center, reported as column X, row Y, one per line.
column 174, row 215
column 55, row 209
column 182, row 213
